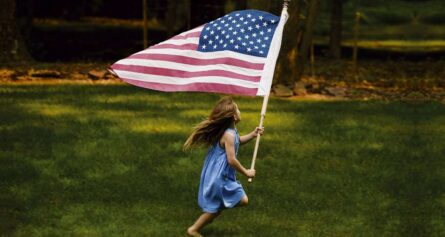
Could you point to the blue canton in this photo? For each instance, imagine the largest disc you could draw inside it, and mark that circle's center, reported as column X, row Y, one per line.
column 248, row 32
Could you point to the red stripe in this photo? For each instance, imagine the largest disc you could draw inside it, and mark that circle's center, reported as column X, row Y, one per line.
column 183, row 74
column 203, row 87
column 174, row 46
column 186, row 36
column 199, row 62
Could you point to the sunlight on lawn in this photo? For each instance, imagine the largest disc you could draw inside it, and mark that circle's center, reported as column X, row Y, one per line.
column 108, row 161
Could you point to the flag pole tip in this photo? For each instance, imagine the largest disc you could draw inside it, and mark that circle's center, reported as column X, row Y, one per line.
column 286, row 3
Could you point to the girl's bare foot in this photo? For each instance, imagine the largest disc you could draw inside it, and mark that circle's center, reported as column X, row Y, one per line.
column 192, row 232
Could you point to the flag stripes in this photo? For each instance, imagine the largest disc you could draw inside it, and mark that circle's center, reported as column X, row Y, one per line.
column 177, row 65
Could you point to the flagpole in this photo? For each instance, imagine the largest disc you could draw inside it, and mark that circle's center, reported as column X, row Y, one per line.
column 266, row 99
column 258, row 137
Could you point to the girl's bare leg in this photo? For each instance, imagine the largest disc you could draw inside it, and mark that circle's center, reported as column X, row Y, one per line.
column 244, row 201
column 202, row 220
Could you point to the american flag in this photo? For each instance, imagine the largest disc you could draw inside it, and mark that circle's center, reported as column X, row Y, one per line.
column 234, row 54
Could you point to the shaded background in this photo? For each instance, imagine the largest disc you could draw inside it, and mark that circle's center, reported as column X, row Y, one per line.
column 401, row 43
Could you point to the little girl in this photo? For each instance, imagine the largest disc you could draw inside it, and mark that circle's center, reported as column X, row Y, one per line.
column 219, row 188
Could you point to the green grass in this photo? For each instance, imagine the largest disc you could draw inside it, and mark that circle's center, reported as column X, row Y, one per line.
column 81, row 160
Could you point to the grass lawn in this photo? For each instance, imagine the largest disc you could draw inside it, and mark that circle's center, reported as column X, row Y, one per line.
column 83, row 160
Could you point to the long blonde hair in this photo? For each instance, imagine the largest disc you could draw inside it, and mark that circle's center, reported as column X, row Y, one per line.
column 211, row 129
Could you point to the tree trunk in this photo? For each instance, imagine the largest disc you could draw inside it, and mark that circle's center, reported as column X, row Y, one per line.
column 291, row 39
column 171, row 17
column 336, row 29
column 314, row 6
column 12, row 47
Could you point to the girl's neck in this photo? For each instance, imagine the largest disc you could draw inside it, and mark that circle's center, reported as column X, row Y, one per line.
column 232, row 126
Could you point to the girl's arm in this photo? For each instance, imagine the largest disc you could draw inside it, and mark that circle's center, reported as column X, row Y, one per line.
column 246, row 138
column 228, row 140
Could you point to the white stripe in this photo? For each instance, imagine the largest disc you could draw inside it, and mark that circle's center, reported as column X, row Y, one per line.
column 190, row 68
column 191, row 40
column 184, row 81
column 274, row 50
column 205, row 55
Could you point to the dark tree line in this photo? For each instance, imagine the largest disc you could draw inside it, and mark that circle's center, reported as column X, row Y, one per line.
column 16, row 17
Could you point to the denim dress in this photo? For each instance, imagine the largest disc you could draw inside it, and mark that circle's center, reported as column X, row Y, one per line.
column 218, row 188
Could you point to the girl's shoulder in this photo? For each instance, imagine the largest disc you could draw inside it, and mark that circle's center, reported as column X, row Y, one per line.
column 234, row 138
column 232, row 130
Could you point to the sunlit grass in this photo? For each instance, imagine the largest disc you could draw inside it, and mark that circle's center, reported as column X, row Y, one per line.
column 82, row 160
column 400, row 45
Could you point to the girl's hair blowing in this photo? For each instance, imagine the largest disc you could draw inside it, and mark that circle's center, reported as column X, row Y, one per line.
column 211, row 130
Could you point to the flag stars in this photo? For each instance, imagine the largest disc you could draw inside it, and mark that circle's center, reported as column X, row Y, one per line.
column 245, row 32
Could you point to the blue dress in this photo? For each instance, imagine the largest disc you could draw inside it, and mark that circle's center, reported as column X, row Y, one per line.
column 219, row 188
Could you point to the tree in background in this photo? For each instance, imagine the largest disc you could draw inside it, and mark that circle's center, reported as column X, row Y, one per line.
column 306, row 41
column 12, row 47
column 335, row 31
column 289, row 47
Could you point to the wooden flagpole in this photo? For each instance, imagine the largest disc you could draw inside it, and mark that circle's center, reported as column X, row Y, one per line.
column 263, row 112
column 258, row 137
